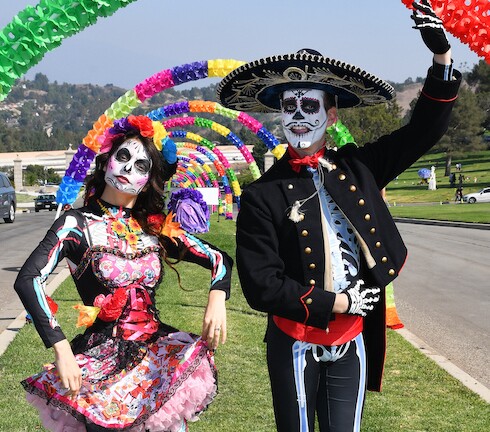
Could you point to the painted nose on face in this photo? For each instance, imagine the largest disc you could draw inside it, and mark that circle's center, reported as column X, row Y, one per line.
column 298, row 116
column 127, row 168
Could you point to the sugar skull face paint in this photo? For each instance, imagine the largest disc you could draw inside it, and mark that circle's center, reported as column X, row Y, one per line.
column 128, row 169
column 304, row 117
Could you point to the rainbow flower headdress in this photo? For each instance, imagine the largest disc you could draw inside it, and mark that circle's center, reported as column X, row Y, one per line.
column 147, row 128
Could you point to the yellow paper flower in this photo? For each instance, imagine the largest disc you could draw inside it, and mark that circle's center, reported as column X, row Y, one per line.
column 170, row 228
column 119, row 228
column 86, row 315
column 131, row 238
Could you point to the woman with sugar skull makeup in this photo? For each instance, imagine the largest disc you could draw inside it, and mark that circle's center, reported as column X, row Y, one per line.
column 128, row 371
column 315, row 242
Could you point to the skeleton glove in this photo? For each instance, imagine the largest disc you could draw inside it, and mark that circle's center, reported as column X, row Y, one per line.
column 430, row 26
column 362, row 299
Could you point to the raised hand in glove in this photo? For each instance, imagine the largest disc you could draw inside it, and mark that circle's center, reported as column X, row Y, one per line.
column 431, row 27
column 361, row 299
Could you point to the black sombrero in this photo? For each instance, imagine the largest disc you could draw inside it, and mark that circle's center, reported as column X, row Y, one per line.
column 257, row 86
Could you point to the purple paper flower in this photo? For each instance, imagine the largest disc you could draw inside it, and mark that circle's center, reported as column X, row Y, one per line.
column 190, row 210
column 121, row 126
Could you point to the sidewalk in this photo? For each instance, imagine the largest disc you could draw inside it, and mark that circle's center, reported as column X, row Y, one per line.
column 14, row 327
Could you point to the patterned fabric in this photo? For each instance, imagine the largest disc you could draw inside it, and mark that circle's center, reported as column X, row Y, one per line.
column 174, row 380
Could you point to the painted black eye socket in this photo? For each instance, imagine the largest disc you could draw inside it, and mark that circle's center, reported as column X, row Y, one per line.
column 310, row 106
column 143, row 166
column 123, row 155
column 289, row 105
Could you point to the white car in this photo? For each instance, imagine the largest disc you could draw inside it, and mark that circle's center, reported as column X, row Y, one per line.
column 482, row 196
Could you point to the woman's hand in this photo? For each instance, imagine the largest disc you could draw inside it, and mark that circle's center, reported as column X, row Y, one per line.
column 68, row 369
column 214, row 323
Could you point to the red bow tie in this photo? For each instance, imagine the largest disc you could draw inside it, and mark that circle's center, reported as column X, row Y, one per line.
column 297, row 162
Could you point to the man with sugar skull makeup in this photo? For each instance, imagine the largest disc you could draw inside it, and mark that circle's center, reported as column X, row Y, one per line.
column 315, row 241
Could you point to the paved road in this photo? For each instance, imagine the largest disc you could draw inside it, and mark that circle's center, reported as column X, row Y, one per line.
column 443, row 293
column 17, row 241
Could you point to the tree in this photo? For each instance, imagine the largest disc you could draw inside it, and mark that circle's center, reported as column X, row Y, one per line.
column 37, row 174
column 479, row 77
column 41, row 82
column 465, row 127
column 368, row 124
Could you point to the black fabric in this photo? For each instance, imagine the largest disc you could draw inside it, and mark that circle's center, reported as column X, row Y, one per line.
column 335, row 407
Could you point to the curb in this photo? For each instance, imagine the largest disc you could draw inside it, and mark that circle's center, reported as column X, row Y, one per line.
column 465, row 379
column 14, row 327
column 480, row 226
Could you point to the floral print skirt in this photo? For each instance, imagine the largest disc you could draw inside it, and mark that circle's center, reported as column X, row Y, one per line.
column 168, row 383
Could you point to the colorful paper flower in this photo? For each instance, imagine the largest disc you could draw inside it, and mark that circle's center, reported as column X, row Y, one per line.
column 86, row 315
column 190, row 210
column 156, row 221
column 143, row 123
column 170, row 228
column 111, row 306
column 119, row 228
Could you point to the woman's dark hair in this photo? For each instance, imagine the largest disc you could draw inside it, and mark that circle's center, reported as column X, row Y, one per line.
column 151, row 199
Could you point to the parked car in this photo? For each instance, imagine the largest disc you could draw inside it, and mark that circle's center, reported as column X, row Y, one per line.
column 482, row 196
column 47, row 202
column 8, row 199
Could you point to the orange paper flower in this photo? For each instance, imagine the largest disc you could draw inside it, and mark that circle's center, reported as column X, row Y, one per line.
column 86, row 315
column 170, row 228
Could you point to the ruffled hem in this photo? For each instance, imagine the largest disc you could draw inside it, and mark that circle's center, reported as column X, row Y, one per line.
column 54, row 419
column 193, row 397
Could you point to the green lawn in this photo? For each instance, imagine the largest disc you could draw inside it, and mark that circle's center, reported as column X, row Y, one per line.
column 407, row 188
column 417, row 395
column 473, row 213
column 24, row 198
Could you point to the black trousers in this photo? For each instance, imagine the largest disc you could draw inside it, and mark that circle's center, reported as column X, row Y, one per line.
column 307, row 378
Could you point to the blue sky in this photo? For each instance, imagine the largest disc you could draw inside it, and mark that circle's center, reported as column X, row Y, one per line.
column 152, row 35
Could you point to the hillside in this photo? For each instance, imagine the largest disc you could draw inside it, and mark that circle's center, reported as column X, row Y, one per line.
column 39, row 115
column 408, row 93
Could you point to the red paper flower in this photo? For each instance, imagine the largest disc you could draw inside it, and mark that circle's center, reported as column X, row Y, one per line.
column 156, row 221
column 143, row 123
column 111, row 306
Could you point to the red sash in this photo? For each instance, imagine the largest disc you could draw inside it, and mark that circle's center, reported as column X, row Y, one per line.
column 343, row 329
